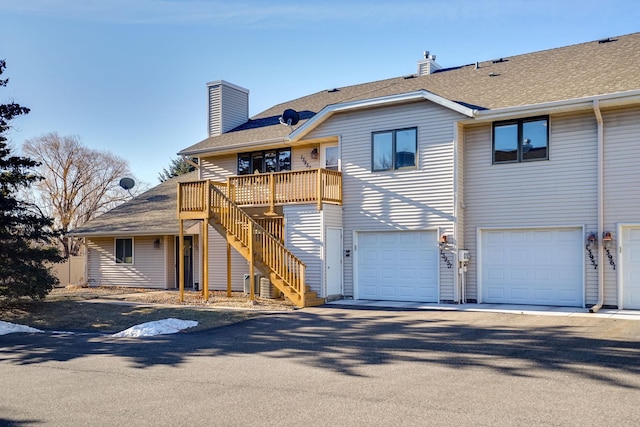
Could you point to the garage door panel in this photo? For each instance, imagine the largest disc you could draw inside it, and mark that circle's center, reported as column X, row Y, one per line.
column 535, row 266
column 518, row 274
column 493, row 292
column 400, row 266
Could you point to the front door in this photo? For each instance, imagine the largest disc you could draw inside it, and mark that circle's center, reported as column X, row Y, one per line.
column 333, row 265
column 630, row 268
column 188, row 261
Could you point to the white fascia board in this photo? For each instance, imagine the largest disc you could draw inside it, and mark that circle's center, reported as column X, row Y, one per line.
column 576, row 104
column 329, row 110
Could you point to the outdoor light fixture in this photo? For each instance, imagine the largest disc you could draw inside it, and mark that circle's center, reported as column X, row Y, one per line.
column 607, row 239
column 156, row 243
column 444, row 241
column 314, row 153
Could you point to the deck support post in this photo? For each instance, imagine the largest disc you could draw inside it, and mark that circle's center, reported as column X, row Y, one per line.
column 205, row 259
column 228, row 269
column 252, row 277
column 319, row 188
column 272, row 195
column 181, row 261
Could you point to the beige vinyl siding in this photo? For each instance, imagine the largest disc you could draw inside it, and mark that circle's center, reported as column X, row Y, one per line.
column 621, row 184
column 218, row 264
column 218, row 168
column 301, row 158
column 147, row 270
column 332, row 216
column 415, row 199
column 560, row 191
column 303, row 231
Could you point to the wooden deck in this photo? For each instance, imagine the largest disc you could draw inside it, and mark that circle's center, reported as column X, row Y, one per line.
column 316, row 186
column 261, row 241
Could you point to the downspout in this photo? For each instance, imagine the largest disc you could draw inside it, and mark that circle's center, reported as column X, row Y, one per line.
column 457, row 294
column 600, row 201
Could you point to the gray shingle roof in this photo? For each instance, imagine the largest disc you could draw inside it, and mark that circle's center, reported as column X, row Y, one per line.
column 564, row 73
column 151, row 213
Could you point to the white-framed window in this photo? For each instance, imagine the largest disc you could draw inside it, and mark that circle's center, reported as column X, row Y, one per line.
column 264, row 161
column 124, row 250
column 330, row 157
column 394, row 149
column 521, row 140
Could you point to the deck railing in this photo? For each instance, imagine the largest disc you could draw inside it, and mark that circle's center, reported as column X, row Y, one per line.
column 305, row 186
column 308, row 186
column 193, row 199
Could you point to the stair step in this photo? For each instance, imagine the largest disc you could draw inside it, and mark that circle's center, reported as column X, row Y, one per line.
column 314, row 302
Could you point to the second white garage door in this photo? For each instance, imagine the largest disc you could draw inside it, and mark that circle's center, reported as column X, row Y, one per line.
column 397, row 266
column 533, row 266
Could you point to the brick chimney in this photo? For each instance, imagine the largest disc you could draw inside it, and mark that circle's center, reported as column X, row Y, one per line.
column 228, row 107
column 427, row 65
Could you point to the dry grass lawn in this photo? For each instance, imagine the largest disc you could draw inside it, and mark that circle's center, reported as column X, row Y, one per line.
column 109, row 309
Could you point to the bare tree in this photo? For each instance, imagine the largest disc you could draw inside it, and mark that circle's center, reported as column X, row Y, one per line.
column 79, row 183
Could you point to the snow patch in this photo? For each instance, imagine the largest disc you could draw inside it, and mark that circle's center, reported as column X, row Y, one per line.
column 9, row 328
column 159, row 327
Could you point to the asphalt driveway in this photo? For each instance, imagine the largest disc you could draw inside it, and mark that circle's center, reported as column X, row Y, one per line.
column 333, row 366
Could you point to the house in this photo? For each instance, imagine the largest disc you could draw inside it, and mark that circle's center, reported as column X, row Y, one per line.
column 134, row 244
column 511, row 180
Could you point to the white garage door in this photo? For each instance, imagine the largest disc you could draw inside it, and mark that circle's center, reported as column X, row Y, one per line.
column 398, row 266
column 631, row 268
column 533, row 266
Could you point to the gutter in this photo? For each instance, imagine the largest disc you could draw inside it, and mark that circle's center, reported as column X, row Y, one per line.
column 600, row 201
column 585, row 103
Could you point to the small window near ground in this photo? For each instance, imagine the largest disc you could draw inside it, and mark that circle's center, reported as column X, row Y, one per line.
column 394, row 149
column 521, row 140
column 124, row 251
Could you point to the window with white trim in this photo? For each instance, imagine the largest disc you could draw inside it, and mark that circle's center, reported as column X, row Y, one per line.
column 394, row 149
column 521, row 140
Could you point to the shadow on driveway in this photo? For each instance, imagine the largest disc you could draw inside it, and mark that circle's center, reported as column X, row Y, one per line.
column 342, row 340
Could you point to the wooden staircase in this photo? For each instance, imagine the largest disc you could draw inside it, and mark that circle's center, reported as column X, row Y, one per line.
column 258, row 246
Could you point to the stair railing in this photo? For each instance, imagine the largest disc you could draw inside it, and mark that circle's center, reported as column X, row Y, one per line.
column 270, row 251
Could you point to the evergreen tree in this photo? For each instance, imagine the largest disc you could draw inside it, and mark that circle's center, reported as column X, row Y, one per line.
column 26, row 249
column 178, row 166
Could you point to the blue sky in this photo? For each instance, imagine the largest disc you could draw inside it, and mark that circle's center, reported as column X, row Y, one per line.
column 129, row 76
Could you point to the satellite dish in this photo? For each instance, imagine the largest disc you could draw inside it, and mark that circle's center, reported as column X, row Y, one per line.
column 290, row 117
column 127, row 183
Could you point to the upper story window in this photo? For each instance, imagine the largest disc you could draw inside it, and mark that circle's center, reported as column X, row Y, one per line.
column 521, row 140
column 394, row 149
column 264, row 161
column 124, row 251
